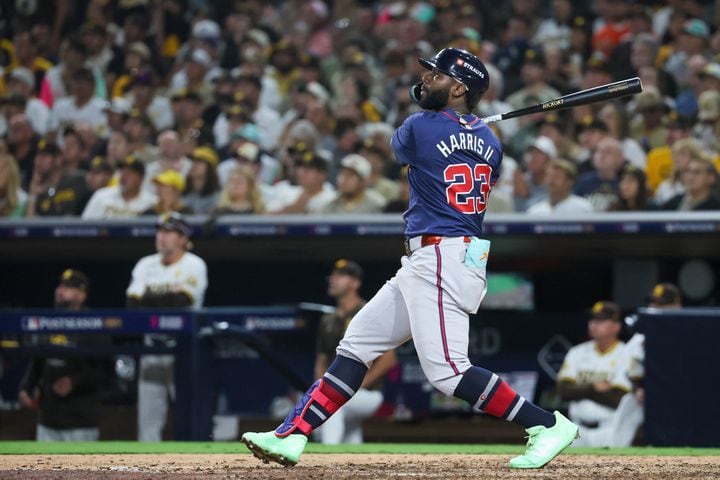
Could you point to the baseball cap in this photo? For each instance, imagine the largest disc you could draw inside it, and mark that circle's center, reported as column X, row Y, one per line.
column 311, row 160
column 590, row 122
column 258, row 36
column 139, row 49
column 249, row 151
column 75, row 279
column 649, row 98
column 709, row 106
column 206, row 29
column 24, row 75
column 133, row 163
column 201, row 57
column 664, row 294
column 348, row 267
column 677, row 120
column 119, row 105
column 170, row 178
column 249, row 132
column 545, row 145
column 175, row 222
column 534, row 55
column 605, row 310
column 183, row 94
column 566, row 166
column 358, row 164
column 43, row 146
column 696, row 28
column 205, row 154
column 711, row 70
column 100, row 164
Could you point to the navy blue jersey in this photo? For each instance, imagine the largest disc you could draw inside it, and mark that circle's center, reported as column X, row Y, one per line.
column 453, row 165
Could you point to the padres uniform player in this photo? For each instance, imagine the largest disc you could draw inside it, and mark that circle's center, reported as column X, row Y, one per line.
column 594, row 379
column 453, row 159
column 173, row 277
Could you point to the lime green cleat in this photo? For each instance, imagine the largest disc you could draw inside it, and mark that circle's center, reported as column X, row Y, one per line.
column 545, row 443
column 269, row 447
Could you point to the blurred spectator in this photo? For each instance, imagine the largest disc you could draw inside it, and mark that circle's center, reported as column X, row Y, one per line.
column 173, row 277
column 202, row 189
column 136, row 63
column 379, row 161
column 313, row 193
column 614, row 116
column 22, row 143
column 74, row 151
column 402, row 202
column 699, row 180
column 345, row 426
column 708, row 127
column 589, row 131
column 682, row 151
column 194, row 76
column 171, row 156
column 593, row 379
column 58, row 79
column 644, row 51
column 140, row 133
column 535, row 89
column 351, row 185
column 52, row 191
column 268, row 121
column 632, row 191
column 117, row 111
column 147, row 103
column 660, row 160
column 600, row 185
column 647, row 126
column 27, row 57
column 12, row 197
column 187, row 109
column 127, row 199
column 21, row 84
column 241, row 194
column 100, row 51
column 555, row 31
column 169, row 186
column 98, row 176
column 490, row 103
column 117, row 148
column 560, row 180
column 555, row 128
column 81, row 106
column 66, row 390
column 530, row 186
column 244, row 150
column 693, row 40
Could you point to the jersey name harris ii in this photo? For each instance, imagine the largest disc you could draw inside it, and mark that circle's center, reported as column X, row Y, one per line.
column 454, row 161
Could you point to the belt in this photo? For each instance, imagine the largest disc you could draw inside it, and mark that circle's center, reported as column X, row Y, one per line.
column 412, row 244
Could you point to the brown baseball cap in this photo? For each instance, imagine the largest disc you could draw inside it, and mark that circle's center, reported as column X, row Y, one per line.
column 605, row 310
column 348, row 267
column 664, row 294
column 75, row 279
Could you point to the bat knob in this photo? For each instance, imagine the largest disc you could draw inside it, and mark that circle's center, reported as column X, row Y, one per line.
column 415, row 92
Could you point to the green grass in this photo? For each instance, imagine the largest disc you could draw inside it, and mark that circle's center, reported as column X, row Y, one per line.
column 37, row 448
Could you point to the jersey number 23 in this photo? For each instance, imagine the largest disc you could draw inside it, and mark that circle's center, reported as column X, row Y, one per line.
column 462, row 178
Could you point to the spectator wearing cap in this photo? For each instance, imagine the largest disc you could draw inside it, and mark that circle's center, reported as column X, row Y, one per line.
column 21, row 83
column 590, row 130
column 555, row 31
column 175, row 278
column 620, row 60
column 535, row 89
column 202, row 188
column 98, row 176
column 707, row 128
column 241, row 194
column 136, row 61
column 692, row 40
column 378, row 181
column 146, row 101
column 66, row 391
column 529, row 185
column 614, row 115
column 140, row 134
column 171, row 156
column 593, row 379
column 187, row 110
column 644, row 51
column 283, row 59
column 353, row 195
column 196, row 75
column 127, row 199
column 600, row 185
column 169, row 186
column 699, row 179
column 249, row 88
column 345, row 426
column 13, row 198
column 102, row 53
column 660, row 160
column 52, row 191
column 632, row 191
column 491, row 102
column 117, row 111
column 58, row 81
column 74, row 151
column 233, row 118
column 647, row 126
column 22, row 144
column 25, row 55
column 560, row 181
column 243, row 149
column 313, row 193
column 81, row 106
column 681, row 151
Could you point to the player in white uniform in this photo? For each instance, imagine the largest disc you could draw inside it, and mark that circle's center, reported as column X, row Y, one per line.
column 171, row 278
column 594, row 379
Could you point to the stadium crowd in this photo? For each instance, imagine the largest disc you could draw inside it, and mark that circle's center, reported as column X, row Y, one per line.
column 113, row 108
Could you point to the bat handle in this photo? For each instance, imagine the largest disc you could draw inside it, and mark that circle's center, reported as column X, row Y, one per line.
column 493, row 118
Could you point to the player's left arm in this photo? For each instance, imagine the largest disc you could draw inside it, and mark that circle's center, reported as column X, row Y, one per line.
column 379, row 368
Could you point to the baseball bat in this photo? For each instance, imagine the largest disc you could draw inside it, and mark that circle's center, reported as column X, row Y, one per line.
column 619, row 89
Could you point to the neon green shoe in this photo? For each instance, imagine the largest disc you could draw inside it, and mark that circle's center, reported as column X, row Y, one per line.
column 545, row 443
column 269, row 447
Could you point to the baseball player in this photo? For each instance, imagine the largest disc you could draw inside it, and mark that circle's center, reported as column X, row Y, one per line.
column 173, row 277
column 454, row 159
column 594, row 379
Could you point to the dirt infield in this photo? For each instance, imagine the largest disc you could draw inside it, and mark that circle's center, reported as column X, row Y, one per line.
column 348, row 466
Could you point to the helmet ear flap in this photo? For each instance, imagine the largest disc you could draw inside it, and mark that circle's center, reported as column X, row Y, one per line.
column 415, row 92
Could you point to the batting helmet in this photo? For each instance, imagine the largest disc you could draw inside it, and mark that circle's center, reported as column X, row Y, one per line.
column 461, row 65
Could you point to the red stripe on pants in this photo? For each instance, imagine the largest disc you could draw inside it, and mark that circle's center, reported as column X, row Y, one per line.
column 442, row 312
column 498, row 404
